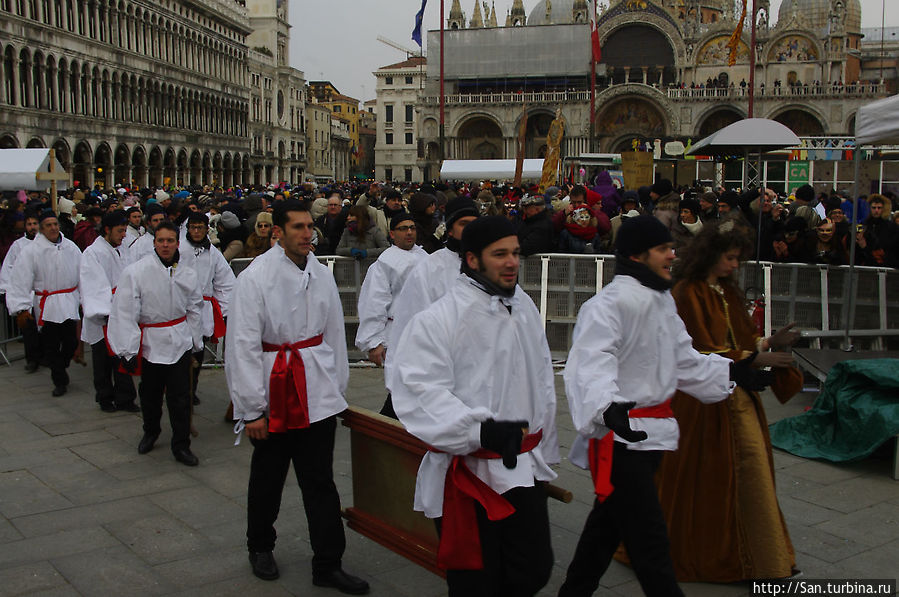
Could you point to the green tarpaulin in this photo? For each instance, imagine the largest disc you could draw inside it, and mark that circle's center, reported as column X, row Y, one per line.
column 857, row 411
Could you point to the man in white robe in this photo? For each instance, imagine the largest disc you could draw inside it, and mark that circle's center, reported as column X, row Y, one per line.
column 44, row 282
column 143, row 245
column 154, row 327
column 473, row 379
column 30, row 337
column 629, row 354
column 101, row 266
column 134, row 230
column 287, row 371
column 383, row 282
column 216, row 280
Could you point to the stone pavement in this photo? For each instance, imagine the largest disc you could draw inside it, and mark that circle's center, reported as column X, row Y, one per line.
column 84, row 514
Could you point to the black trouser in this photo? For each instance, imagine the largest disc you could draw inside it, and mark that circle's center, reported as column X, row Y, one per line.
column 110, row 386
column 387, row 409
column 198, row 357
column 58, row 343
column 631, row 515
column 312, row 452
column 32, row 341
column 173, row 381
column 517, row 551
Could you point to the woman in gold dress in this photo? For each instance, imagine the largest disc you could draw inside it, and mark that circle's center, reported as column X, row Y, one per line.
column 717, row 490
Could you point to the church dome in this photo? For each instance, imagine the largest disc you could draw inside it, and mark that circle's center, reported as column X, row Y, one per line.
column 562, row 12
column 816, row 13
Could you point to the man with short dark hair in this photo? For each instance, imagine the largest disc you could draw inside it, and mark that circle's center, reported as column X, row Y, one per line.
column 154, row 327
column 331, row 225
column 134, row 229
column 536, row 233
column 28, row 328
column 287, row 371
column 878, row 238
column 45, row 279
column 143, row 245
column 101, row 266
column 489, row 415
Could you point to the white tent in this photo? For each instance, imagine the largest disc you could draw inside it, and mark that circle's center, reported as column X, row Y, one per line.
column 19, row 169
column 878, row 122
column 749, row 134
column 490, row 169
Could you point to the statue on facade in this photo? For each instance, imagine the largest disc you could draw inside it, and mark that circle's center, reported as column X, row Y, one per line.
column 549, row 12
column 553, row 151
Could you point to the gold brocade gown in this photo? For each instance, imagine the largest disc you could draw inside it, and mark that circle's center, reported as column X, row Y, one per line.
column 717, row 490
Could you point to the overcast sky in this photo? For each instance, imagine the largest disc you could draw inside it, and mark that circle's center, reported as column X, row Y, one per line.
column 336, row 40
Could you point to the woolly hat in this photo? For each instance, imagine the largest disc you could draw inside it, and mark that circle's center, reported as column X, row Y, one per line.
column 805, row 193
column 113, row 218
column 662, row 187
column 460, row 207
column 399, row 218
column 229, row 221
column 709, row 197
column 485, row 231
column 692, row 205
column 640, row 234
column 65, row 206
column 263, row 218
column 153, row 209
column 46, row 213
column 162, row 195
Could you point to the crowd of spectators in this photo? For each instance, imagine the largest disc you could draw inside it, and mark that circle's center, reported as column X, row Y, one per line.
column 351, row 220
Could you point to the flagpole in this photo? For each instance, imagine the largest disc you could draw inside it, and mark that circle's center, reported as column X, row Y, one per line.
column 752, row 62
column 592, row 138
column 442, row 96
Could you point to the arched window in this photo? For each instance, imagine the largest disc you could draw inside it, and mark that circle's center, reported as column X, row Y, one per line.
column 9, row 76
column 62, row 83
column 24, row 65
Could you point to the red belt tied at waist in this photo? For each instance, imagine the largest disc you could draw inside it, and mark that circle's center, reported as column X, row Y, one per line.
column 288, row 401
column 600, row 450
column 218, row 319
column 47, row 293
column 460, row 542
column 140, row 350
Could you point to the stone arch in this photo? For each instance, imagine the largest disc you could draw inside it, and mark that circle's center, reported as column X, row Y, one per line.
column 182, row 167
column 640, row 53
column 479, row 136
column 539, row 120
column 632, row 116
column 103, row 164
column 154, row 167
column 122, row 161
column 24, row 92
column 63, row 153
column 792, row 46
column 196, row 167
column 35, row 143
column 712, row 50
column 227, row 173
column 10, row 91
column 716, row 119
column 207, row 168
column 217, row 172
column 662, row 24
column 802, row 120
column 139, row 166
column 169, row 166
column 9, row 141
column 850, row 124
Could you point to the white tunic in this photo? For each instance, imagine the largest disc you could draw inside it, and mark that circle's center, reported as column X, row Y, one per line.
column 276, row 302
column 630, row 345
column 40, row 266
column 141, row 247
column 214, row 276
column 462, row 361
column 10, row 260
column 101, row 267
column 383, row 282
column 132, row 234
column 149, row 292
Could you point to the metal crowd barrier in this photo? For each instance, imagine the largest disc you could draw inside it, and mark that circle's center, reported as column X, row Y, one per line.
column 9, row 333
column 815, row 296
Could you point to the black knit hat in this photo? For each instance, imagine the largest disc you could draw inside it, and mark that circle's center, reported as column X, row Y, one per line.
column 485, row 231
column 662, row 187
column 459, row 207
column 46, row 213
column 805, row 193
column 113, row 218
column 640, row 234
column 400, row 217
column 692, row 205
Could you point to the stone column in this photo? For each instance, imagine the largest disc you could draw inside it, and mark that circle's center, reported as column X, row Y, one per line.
column 627, row 74
column 645, row 70
column 54, row 103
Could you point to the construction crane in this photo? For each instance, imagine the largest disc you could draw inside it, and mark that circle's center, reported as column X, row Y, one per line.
column 409, row 52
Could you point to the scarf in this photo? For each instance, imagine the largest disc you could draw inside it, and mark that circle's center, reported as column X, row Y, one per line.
column 453, row 245
column 481, row 281
column 641, row 273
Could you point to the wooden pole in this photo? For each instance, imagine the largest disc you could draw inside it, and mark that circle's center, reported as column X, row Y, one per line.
column 752, row 63
column 52, row 175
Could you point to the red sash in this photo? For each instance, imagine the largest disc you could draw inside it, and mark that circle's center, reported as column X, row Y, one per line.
column 218, row 319
column 288, row 401
column 460, row 542
column 600, row 450
column 140, row 351
column 46, row 293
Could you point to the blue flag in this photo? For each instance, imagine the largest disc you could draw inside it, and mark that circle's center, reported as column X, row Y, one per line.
column 416, row 33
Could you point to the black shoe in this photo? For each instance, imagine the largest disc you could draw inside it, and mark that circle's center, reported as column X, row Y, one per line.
column 340, row 580
column 129, row 407
column 195, row 401
column 264, row 565
column 107, row 407
column 146, row 442
column 31, row 366
column 187, row 457
column 59, row 391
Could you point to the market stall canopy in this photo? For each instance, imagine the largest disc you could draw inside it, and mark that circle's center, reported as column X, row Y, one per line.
column 878, row 122
column 749, row 134
column 19, row 169
column 490, row 169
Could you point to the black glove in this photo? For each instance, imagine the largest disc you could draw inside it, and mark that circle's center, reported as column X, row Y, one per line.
column 129, row 365
column 749, row 378
column 504, row 438
column 616, row 418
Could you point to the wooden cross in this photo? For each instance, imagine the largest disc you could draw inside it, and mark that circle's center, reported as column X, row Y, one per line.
column 53, row 176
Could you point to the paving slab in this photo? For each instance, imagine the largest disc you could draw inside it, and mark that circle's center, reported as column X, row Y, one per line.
column 81, row 517
column 23, row 493
column 159, row 539
column 46, row 547
column 112, row 571
column 198, row 506
column 30, row 579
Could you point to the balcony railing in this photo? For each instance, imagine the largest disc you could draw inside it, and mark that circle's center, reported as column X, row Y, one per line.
column 785, row 91
column 527, row 97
